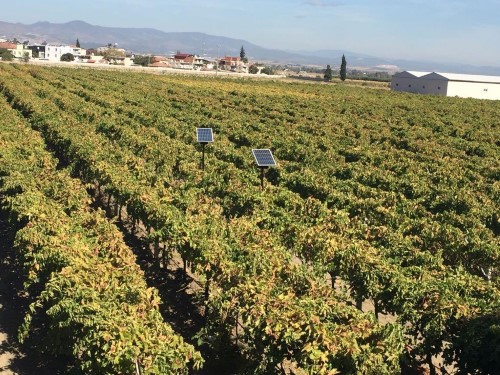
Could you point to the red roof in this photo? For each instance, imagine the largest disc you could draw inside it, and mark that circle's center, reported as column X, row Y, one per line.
column 182, row 56
column 231, row 58
column 8, row 45
column 156, row 59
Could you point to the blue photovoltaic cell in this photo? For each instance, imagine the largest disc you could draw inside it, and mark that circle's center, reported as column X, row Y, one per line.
column 264, row 157
column 204, row 135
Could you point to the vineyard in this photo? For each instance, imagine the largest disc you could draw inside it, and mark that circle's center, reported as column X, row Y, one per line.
column 373, row 248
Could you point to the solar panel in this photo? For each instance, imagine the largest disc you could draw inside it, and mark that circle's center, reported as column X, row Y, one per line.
column 264, row 157
column 204, row 135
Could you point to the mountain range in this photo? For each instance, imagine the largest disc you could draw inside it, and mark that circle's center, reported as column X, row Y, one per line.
column 148, row 40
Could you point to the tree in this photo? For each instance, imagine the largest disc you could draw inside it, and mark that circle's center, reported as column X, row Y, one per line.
column 77, row 43
column 253, row 69
column 142, row 60
column 112, row 53
column 267, row 70
column 343, row 69
column 68, row 57
column 5, row 55
column 243, row 55
column 26, row 57
column 328, row 73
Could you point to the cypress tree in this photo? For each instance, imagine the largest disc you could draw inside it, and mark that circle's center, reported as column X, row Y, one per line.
column 343, row 69
column 243, row 55
column 77, row 43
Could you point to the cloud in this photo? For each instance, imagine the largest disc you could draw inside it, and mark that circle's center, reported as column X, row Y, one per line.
column 322, row 3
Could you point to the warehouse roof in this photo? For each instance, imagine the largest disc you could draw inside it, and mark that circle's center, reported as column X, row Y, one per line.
column 449, row 76
column 411, row 74
column 466, row 77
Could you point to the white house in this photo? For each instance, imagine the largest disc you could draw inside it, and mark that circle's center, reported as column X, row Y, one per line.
column 54, row 52
column 448, row 84
column 78, row 52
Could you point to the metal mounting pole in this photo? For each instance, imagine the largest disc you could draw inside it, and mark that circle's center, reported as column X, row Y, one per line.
column 262, row 177
column 203, row 156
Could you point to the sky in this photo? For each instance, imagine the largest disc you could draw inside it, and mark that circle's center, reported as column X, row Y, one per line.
column 450, row 31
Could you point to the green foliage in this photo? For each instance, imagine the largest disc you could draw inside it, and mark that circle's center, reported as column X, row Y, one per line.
column 253, row 69
column 243, row 55
column 395, row 197
column 6, row 55
column 476, row 346
column 97, row 303
column 78, row 43
column 267, row 70
column 114, row 56
column 328, row 74
column 142, row 60
column 113, row 53
column 68, row 57
column 343, row 69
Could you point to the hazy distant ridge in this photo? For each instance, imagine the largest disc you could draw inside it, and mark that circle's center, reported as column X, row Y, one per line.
column 147, row 40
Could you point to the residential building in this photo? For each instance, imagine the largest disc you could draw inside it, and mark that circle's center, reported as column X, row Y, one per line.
column 78, row 52
column 233, row 64
column 54, row 52
column 37, row 50
column 18, row 50
column 184, row 60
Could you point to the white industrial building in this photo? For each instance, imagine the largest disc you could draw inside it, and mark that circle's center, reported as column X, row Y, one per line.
column 447, row 84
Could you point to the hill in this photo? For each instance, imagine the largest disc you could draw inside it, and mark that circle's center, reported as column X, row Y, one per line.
column 148, row 40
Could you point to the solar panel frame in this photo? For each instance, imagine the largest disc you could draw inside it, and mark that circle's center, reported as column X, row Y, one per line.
column 263, row 157
column 204, row 135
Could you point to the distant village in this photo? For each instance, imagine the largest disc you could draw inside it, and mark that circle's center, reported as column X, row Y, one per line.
column 112, row 55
